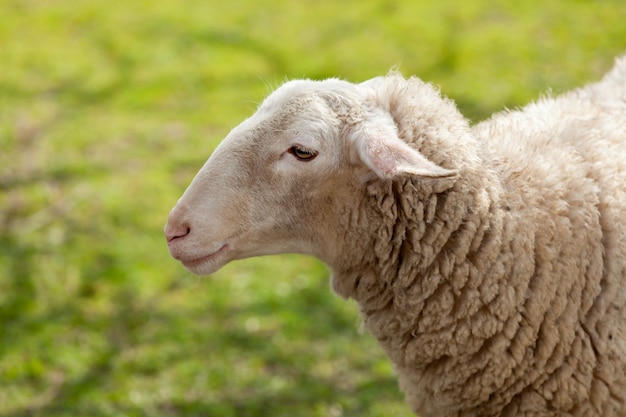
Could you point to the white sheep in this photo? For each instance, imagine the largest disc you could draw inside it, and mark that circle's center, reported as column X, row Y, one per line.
column 489, row 262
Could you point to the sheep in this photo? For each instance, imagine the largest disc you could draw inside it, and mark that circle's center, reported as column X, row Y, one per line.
column 488, row 261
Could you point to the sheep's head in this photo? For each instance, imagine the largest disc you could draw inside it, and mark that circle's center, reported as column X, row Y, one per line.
column 280, row 180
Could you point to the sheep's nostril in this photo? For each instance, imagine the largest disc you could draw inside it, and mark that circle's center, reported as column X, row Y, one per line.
column 174, row 233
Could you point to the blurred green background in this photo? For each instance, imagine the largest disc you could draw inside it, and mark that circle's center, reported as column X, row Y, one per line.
column 107, row 110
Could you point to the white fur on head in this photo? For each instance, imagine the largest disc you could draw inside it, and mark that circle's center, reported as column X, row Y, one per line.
column 379, row 147
column 254, row 189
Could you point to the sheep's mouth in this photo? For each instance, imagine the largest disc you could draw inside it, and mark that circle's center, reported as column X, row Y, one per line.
column 207, row 263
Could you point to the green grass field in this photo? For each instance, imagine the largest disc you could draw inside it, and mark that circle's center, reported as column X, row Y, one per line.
column 107, row 110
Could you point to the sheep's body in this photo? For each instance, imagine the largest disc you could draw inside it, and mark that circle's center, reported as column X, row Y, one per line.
column 496, row 285
column 523, row 309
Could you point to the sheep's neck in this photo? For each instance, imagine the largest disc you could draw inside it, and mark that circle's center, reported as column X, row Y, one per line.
column 435, row 291
column 444, row 276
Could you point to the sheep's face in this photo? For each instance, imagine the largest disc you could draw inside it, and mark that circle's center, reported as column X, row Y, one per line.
column 279, row 181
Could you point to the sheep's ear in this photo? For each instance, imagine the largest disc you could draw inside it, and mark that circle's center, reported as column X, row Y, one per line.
column 380, row 148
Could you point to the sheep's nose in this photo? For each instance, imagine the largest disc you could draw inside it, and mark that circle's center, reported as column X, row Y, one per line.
column 174, row 232
column 177, row 227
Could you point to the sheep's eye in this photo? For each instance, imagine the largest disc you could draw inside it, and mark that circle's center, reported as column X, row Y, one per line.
column 302, row 154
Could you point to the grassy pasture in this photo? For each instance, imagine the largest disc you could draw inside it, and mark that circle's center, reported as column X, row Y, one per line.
column 107, row 110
